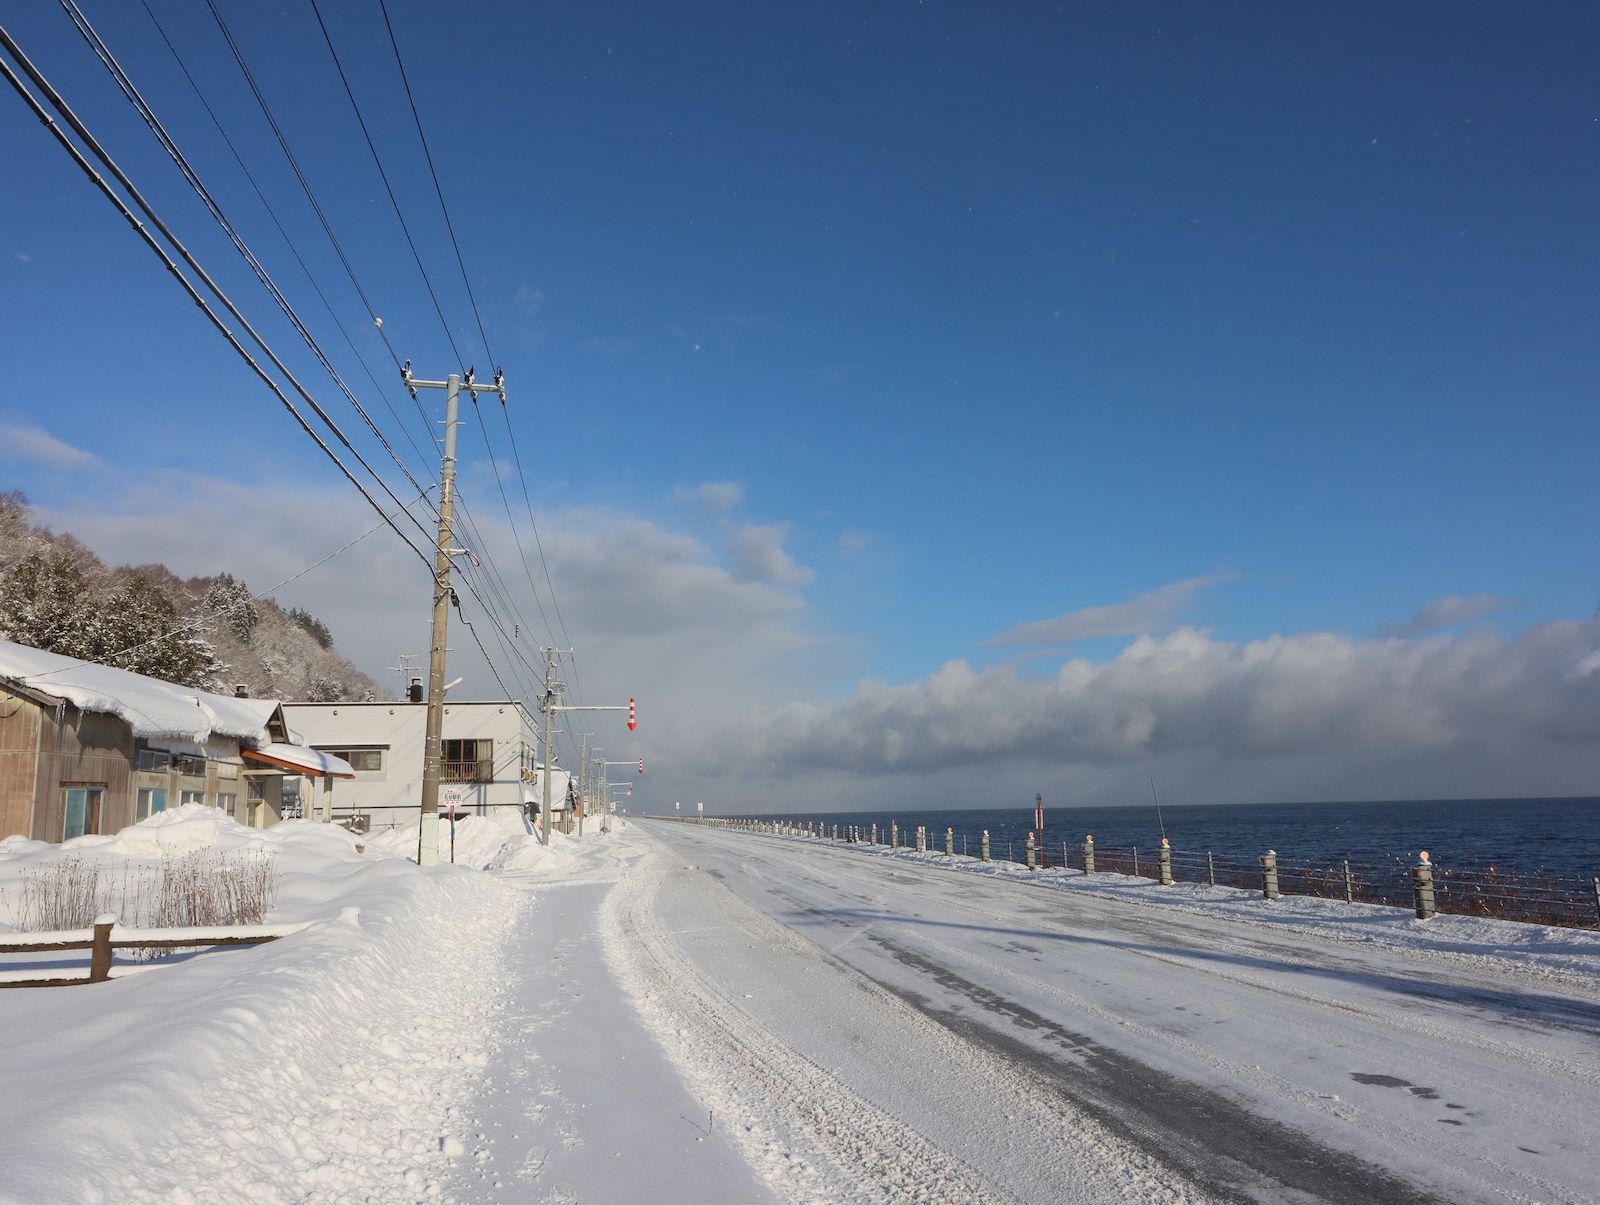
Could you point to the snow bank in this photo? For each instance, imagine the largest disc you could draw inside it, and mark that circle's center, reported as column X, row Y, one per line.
column 485, row 844
column 331, row 1065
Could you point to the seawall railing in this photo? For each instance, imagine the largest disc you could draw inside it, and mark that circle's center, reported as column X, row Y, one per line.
column 1420, row 884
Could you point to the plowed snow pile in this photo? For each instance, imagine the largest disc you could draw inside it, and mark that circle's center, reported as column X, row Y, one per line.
column 331, row 1065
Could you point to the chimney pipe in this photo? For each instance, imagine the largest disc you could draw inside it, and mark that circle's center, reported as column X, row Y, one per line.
column 415, row 693
column 241, row 691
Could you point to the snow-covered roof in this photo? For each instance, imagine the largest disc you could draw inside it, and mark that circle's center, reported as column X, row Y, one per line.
column 151, row 707
column 302, row 757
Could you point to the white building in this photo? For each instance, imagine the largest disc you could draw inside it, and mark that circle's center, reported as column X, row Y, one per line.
column 490, row 764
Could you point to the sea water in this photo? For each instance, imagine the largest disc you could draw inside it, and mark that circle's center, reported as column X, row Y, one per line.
column 1521, row 837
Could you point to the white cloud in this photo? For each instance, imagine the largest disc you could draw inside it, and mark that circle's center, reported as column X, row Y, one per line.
column 759, row 556
column 652, row 613
column 711, row 497
column 27, row 443
column 1156, row 611
column 1469, row 714
column 1447, row 612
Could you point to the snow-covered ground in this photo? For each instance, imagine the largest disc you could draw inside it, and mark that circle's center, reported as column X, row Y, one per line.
column 677, row 1012
column 330, row 1065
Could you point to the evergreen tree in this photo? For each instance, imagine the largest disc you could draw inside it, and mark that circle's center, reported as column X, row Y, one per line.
column 138, row 630
column 228, row 602
column 312, row 626
column 45, row 601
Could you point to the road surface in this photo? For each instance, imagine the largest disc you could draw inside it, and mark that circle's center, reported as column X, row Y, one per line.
column 878, row 1028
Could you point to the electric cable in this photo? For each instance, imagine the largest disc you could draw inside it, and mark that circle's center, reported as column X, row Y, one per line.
column 99, row 181
column 378, row 161
column 134, row 97
column 288, row 241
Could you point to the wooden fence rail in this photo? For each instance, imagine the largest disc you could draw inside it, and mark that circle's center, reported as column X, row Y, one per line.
column 107, row 936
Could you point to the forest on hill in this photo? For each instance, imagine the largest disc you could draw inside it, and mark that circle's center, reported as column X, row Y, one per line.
column 211, row 633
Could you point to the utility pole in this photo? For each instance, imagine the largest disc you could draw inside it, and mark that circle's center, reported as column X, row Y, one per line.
column 552, row 692
column 428, row 826
column 583, row 766
column 549, row 714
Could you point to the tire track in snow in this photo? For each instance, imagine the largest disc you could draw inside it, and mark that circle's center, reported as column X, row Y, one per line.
column 1293, row 1147
column 853, row 1149
column 809, row 1137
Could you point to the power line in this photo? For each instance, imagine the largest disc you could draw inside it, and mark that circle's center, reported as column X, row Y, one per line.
column 288, row 241
column 305, row 185
column 522, row 478
column 405, row 81
column 506, row 502
column 99, row 181
column 377, row 159
column 135, row 98
column 477, row 316
column 210, row 615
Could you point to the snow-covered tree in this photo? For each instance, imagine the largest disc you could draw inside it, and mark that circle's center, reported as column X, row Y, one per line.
column 313, row 626
column 45, row 601
column 139, row 629
column 228, row 601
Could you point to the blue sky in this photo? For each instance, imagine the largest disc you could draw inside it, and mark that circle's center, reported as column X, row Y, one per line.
column 994, row 313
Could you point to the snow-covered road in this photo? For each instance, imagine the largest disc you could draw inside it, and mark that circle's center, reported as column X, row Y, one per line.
column 888, row 1029
column 687, row 1013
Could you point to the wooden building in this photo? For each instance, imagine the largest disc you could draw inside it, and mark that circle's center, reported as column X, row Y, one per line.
column 89, row 749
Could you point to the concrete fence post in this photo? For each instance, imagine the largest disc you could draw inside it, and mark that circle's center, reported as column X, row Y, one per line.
column 100, row 952
column 950, row 852
column 985, row 855
column 1269, row 874
column 1422, row 886
column 1135, row 861
column 1088, row 854
column 1211, row 869
column 1349, row 884
column 922, row 838
column 874, row 832
column 1597, row 901
column 1166, row 863
column 1032, row 864
column 894, row 834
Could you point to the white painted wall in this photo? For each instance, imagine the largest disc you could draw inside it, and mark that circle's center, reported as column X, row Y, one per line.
column 390, row 796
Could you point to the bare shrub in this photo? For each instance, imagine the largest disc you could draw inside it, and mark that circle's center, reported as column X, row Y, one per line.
column 208, row 888
column 202, row 888
column 67, row 894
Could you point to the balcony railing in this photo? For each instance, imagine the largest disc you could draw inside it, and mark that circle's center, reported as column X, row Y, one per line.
column 479, row 769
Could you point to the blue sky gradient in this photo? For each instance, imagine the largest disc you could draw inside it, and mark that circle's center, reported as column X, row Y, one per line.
column 996, row 313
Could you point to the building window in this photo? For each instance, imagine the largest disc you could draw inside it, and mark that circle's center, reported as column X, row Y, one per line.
column 467, row 761
column 229, row 803
column 82, row 811
column 194, row 767
column 359, row 759
column 191, row 797
column 156, row 761
column 254, row 788
column 151, row 800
